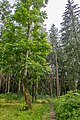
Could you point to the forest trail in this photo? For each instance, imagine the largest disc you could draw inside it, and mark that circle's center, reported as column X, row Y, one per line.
column 52, row 112
column 50, row 115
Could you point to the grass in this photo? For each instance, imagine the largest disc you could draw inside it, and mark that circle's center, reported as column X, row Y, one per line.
column 11, row 108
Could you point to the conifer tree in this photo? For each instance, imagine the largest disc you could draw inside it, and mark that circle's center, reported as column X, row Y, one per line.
column 53, row 58
column 70, row 31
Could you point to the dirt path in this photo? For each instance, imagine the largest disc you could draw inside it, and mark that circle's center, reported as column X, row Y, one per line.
column 52, row 112
column 50, row 115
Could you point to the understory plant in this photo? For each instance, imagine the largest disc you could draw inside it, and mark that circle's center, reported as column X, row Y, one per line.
column 67, row 107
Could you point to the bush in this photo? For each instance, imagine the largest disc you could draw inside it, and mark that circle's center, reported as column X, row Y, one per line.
column 10, row 97
column 67, row 107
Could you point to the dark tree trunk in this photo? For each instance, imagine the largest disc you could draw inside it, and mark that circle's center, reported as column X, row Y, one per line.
column 57, row 77
column 27, row 96
column 33, row 91
column 9, row 77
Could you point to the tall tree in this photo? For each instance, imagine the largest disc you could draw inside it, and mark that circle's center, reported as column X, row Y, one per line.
column 70, row 31
column 53, row 57
column 24, row 44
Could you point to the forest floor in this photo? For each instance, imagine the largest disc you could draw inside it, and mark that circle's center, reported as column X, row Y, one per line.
column 52, row 112
column 50, row 115
column 12, row 108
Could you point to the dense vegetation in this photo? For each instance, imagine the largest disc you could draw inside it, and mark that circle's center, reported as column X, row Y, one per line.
column 35, row 64
column 12, row 107
column 67, row 107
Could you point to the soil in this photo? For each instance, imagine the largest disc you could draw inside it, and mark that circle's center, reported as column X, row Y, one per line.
column 52, row 112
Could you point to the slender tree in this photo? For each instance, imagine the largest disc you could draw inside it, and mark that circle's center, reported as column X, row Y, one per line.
column 53, row 58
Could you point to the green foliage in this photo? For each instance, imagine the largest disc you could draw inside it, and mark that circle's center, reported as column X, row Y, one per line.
column 70, row 47
column 67, row 107
column 11, row 97
column 14, row 111
column 24, row 45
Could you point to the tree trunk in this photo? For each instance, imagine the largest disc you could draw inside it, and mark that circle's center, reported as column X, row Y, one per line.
column 57, row 77
column 9, row 83
column 51, row 85
column 26, row 91
column 6, row 84
column 28, row 99
column 1, row 81
column 19, row 86
column 33, row 91
column 36, row 90
column 0, row 85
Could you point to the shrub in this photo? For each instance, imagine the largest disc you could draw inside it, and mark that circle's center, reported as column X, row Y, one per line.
column 10, row 97
column 67, row 107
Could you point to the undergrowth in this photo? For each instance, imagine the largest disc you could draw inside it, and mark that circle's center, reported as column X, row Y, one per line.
column 67, row 107
column 11, row 108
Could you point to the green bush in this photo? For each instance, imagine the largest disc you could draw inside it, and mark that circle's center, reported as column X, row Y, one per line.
column 9, row 97
column 67, row 107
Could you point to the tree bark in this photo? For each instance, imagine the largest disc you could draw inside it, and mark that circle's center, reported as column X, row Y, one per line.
column 19, row 86
column 9, row 83
column 51, row 86
column 36, row 90
column 26, row 91
column 6, row 86
column 57, row 77
column 33, row 91
column 28, row 98
column 0, row 85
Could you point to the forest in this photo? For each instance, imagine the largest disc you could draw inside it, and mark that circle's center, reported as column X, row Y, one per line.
column 39, row 70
